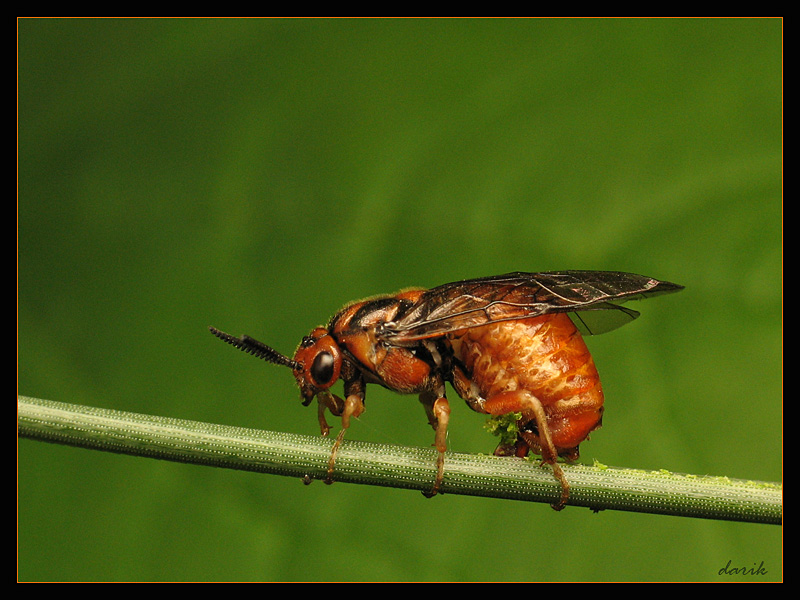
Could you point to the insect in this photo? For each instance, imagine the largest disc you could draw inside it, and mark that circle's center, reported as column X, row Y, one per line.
column 506, row 344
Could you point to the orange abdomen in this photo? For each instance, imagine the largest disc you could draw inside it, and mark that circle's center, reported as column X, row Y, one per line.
column 544, row 355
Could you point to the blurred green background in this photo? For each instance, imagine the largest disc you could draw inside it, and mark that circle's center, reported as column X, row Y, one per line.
column 257, row 175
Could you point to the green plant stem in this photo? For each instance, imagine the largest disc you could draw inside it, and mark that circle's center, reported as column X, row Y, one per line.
column 596, row 487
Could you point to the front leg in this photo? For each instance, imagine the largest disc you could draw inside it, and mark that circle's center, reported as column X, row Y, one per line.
column 438, row 410
column 331, row 402
column 353, row 406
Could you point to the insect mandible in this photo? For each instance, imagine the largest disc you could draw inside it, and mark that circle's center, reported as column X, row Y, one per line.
column 506, row 344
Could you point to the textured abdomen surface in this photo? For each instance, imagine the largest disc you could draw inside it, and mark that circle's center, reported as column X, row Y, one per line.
column 544, row 355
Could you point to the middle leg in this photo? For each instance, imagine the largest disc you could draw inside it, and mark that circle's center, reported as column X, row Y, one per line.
column 438, row 410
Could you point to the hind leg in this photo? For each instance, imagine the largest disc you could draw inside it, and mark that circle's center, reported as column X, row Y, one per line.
column 532, row 410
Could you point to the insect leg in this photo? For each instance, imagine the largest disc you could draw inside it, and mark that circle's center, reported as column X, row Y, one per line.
column 438, row 410
column 353, row 407
column 471, row 394
column 467, row 389
column 331, row 402
column 532, row 409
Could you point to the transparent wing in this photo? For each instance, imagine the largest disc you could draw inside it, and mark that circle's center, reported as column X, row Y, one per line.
column 592, row 296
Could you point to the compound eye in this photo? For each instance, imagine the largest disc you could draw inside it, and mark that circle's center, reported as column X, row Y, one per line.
column 323, row 368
